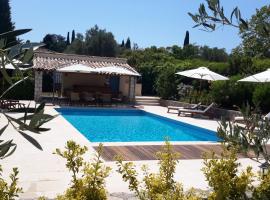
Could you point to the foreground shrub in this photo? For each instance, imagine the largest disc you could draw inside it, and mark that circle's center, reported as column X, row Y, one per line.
column 262, row 191
column 222, row 176
column 159, row 185
column 9, row 191
column 88, row 178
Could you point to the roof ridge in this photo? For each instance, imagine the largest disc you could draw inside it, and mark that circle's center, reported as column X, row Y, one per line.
column 49, row 52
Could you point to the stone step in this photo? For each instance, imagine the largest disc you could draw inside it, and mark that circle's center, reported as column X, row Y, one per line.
column 147, row 103
column 147, row 98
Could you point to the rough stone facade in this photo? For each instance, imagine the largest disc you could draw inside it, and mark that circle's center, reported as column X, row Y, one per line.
column 38, row 85
column 132, row 88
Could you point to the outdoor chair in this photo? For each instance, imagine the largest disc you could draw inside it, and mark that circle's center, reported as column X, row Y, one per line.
column 74, row 97
column 106, row 98
column 87, row 97
column 177, row 108
column 118, row 99
column 193, row 112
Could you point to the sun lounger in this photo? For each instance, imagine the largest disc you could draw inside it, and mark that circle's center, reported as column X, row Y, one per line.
column 192, row 112
column 177, row 108
column 10, row 104
column 241, row 119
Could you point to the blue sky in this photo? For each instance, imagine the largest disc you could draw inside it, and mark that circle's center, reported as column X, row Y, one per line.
column 146, row 22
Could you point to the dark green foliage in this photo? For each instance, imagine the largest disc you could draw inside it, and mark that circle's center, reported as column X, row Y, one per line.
column 256, row 40
column 77, row 46
column 73, row 36
column 122, row 44
column 128, row 44
column 186, row 41
column 231, row 93
column 23, row 91
column 167, row 82
column 5, row 20
column 55, row 42
column 261, row 97
column 68, row 40
column 99, row 42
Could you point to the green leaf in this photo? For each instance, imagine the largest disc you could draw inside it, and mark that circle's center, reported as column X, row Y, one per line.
column 28, row 55
column 14, row 33
column 2, row 130
column 244, row 23
column 5, row 147
column 32, row 45
column 39, row 119
column 209, row 26
column 194, row 18
column 31, row 140
column 14, row 51
column 2, row 43
column 40, row 107
column 233, row 13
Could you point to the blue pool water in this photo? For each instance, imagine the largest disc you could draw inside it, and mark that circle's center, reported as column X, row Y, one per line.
column 121, row 125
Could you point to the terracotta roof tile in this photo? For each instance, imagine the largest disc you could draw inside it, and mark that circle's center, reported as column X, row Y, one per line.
column 48, row 60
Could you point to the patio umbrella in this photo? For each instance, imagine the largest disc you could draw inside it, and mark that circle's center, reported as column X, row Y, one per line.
column 77, row 68
column 202, row 73
column 262, row 77
column 116, row 70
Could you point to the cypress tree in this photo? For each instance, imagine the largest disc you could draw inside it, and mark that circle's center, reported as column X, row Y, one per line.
column 186, row 41
column 128, row 44
column 68, row 41
column 73, row 36
column 122, row 44
column 5, row 19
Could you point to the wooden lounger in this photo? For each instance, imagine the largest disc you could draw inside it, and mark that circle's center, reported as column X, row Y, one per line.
column 177, row 108
column 192, row 112
column 11, row 104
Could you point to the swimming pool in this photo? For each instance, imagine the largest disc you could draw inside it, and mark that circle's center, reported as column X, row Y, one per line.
column 131, row 125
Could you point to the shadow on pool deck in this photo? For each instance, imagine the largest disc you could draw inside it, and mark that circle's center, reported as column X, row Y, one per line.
column 148, row 152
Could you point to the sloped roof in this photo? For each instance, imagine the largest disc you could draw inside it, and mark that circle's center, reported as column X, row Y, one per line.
column 49, row 60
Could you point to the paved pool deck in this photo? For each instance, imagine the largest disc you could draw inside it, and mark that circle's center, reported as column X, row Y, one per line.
column 43, row 173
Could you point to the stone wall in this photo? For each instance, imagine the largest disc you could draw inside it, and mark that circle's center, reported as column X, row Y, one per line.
column 216, row 112
column 38, row 85
column 132, row 88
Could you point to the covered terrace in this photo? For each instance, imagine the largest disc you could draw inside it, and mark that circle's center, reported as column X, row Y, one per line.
column 79, row 77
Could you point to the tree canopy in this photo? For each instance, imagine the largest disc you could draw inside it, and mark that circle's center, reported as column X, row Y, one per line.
column 256, row 39
column 6, row 24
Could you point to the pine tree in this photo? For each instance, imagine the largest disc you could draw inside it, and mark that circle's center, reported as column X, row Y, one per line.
column 128, row 44
column 5, row 19
column 186, row 41
column 73, row 36
column 68, row 41
column 122, row 44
